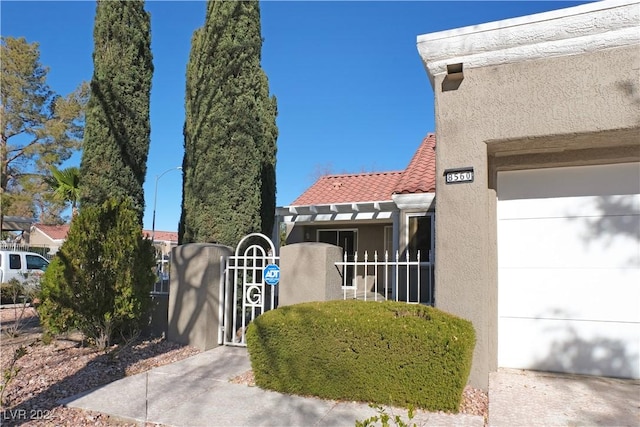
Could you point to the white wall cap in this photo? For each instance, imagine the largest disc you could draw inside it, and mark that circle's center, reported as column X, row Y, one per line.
column 574, row 30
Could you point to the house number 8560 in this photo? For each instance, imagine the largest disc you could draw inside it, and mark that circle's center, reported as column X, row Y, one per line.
column 462, row 176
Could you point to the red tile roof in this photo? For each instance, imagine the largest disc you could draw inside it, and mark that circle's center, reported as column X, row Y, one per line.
column 350, row 188
column 54, row 232
column 59, row 232
column 418, row 177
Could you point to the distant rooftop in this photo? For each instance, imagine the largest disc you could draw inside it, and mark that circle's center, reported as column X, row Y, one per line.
column 59, row 232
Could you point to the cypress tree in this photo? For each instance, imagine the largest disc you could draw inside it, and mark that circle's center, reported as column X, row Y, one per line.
column 117, row 129
column 230, row 130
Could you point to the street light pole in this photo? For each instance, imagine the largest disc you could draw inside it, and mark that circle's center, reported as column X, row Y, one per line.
column 155, row 197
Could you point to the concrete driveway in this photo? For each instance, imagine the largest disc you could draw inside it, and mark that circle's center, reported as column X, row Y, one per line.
column 530, row 398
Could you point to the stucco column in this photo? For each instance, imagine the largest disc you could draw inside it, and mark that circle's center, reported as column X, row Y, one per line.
column 194, row 295
column 308, row 273
column 465, row 279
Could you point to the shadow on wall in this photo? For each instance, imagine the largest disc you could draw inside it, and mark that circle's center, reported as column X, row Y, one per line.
column 194, row 297
column 630, row 88
column 184, row 288
column 615, row 221
column 601, row 356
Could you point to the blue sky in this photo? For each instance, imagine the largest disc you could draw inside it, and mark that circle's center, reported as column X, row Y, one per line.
column 352, row 93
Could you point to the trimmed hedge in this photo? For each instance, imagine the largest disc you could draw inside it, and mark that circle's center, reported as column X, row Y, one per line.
column 388, row 353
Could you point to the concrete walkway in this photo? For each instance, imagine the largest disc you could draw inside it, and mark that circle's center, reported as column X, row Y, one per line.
column 197, row 392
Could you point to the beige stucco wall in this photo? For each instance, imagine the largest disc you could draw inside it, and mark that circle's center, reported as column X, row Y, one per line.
column 37, row 238
column 308, row 273
column 194, row 295
column 567, row 110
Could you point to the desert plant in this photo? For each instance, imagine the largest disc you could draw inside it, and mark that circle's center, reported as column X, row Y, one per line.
column 20, row 294
column 11, row 291
column 383, row 417
column 10, row 372
column 100, row 279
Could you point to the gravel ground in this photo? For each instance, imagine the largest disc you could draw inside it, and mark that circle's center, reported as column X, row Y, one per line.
column 63, row 368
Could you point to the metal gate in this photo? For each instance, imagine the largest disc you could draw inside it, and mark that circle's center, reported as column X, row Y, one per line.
column 243, row 289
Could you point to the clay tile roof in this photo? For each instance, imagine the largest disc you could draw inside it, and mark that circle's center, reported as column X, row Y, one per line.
column 59, row 232
column 55, row 232
column 420, row 175
column 350, row 188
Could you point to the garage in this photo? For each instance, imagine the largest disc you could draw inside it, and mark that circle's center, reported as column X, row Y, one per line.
column 569, row 269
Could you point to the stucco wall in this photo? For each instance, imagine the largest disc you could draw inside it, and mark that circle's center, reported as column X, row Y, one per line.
column 568, row 110
column 194, row 296
column 308, row 273
column 37, row 238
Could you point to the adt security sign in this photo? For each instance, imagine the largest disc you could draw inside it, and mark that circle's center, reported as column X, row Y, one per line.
column 271, row 274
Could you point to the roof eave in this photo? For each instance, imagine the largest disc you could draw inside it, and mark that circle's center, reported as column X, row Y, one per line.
column 413, row 201
column 331, row 208
column 584, row 28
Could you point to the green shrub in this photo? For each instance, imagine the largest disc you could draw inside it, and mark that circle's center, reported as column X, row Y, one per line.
column 388, row 353
column 22, row 290
column 20, row 294
column 100, row 279
column 11, row 292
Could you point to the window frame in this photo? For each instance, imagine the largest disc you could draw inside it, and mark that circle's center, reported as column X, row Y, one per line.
column 407, row 237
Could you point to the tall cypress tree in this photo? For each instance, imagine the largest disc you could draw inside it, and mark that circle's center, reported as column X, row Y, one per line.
column 117, row 129
column 230, row 130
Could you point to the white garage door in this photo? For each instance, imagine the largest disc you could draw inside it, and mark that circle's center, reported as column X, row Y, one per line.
column 569, row 269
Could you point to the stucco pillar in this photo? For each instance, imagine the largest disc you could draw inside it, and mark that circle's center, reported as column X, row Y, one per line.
column 194, row 295
column 308, row 273
column 465, row 279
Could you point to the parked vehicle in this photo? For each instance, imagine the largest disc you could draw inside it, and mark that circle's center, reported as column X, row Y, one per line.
column 20, row 265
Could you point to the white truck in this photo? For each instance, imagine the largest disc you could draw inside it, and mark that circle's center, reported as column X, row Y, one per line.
column 19, row 265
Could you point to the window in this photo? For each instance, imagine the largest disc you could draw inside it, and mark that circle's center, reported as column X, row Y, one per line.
column 14, row 262
column 36, row 263
column 420, row 236
column 346, row 239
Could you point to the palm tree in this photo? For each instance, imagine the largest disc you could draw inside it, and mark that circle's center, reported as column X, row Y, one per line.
column 66, row 184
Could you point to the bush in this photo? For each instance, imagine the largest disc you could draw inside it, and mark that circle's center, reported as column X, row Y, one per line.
column 100, row 279
column 23, row 290
column 12, row 292
column 20, row 295
column 388, row 353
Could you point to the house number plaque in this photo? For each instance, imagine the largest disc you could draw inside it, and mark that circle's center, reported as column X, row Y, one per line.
column 459, row 175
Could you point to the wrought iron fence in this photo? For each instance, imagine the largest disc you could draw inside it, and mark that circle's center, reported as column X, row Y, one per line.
column 403, row 278
column 43, row 250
